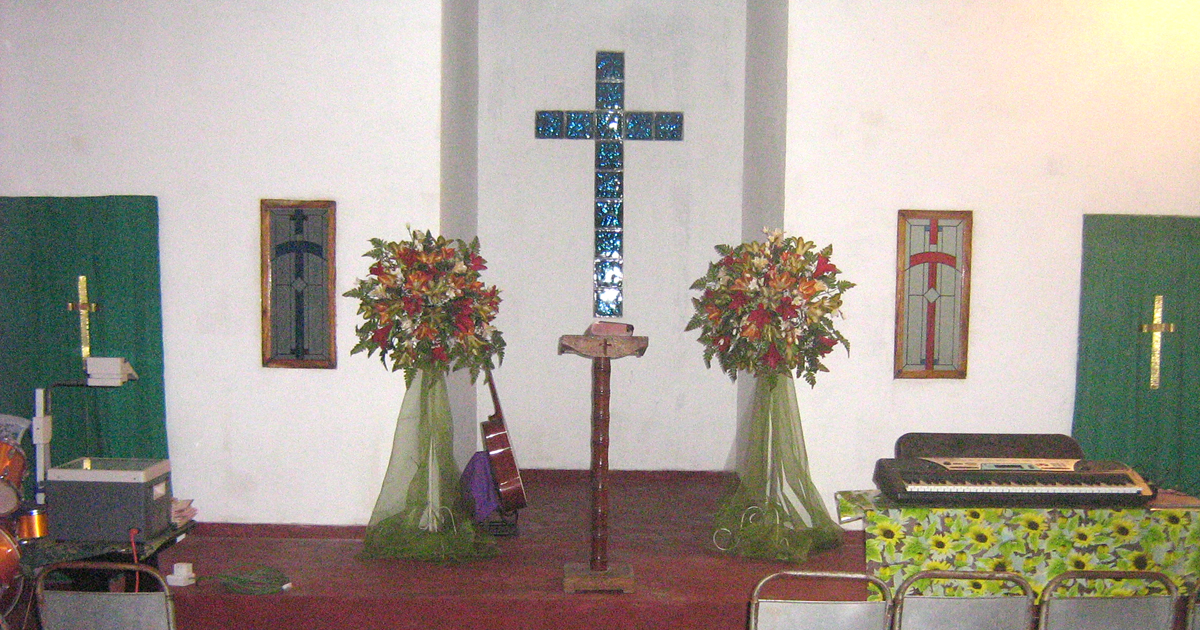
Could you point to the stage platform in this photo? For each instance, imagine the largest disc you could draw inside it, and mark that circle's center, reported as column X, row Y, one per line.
column 659, row 524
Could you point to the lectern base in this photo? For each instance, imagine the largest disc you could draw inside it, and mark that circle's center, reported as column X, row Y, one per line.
column 579, row 577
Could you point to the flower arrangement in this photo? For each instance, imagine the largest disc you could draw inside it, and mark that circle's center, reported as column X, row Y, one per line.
column 768, row 307
column 425, row 307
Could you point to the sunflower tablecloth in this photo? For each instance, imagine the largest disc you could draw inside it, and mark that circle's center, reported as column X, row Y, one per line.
column 1037, row 543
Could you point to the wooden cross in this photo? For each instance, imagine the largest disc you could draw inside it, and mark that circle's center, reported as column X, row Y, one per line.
column 609, row 125
column 1156, row 329
column 85, row 309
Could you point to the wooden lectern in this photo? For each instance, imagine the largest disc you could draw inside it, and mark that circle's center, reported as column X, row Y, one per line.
column 601, row 348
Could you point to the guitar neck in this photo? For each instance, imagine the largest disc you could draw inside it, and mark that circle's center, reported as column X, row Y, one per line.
column 492, row 387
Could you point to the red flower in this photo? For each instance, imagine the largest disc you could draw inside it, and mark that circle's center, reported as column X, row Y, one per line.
column 439, row 353
column 477, row 263
column 737, row 301
column 381, row 336
column 411, row 304
column 407, row 256
column 463, row 320
column 772, row 357
column 826, row 345
column 787, row 309
column 759, row 317
column 823, row 267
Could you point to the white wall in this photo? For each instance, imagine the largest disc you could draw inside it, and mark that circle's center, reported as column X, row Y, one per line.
column 1029, row 112
column 536, row 221
column 213, row 107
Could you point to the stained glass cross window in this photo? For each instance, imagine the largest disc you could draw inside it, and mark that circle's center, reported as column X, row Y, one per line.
column 608, row 126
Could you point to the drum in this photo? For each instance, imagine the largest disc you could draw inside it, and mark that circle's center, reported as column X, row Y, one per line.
column 10, row 561
column 12, row 477
column 31, row 523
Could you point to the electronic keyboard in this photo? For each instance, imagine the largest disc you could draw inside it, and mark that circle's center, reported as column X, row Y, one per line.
column 1033, row 473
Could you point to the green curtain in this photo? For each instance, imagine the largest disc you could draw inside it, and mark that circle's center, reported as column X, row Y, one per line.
column 45, row 244
column 1127, row 261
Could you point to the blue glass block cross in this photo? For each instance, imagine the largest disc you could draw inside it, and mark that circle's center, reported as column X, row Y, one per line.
column 609, row 125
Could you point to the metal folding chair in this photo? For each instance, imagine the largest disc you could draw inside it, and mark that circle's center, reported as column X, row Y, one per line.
column 1115, row 612
column 1011, row 610
column 1193, row 615
column 820, row 614
column 149, row 608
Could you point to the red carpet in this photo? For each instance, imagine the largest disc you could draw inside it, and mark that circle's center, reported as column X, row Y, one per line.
column 659, row 523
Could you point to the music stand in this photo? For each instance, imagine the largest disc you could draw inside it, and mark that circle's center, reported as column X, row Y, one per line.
column 598, row 575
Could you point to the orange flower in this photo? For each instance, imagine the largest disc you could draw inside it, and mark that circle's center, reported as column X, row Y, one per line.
column 781, row 281
column 742, row 283
column 417, row 280
column 808, row 288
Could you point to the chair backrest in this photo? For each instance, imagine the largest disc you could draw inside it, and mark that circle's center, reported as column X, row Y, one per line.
column 148, row 609
column 820, row 614
column 1062, row 611
column 966, row 611
column 1193, row 615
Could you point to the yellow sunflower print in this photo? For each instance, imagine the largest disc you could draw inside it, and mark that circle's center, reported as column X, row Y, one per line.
column 1031, row 523
column 1123, row 530
column 981, row 536
column 940, row 545
column 1080, row 562
column 935, row 565
column 1084, row 535
column 887, row 531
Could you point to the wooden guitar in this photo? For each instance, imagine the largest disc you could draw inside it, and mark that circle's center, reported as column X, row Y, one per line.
column 500, row 455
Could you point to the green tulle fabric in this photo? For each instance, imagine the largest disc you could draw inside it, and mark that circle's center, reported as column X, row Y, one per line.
column 775, row 512
column 420, row 513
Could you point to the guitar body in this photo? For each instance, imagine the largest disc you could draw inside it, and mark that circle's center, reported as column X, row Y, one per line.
column 500, row 456
column 504, row 464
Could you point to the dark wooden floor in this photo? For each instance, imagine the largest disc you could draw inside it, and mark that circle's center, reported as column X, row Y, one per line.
column 659, row 525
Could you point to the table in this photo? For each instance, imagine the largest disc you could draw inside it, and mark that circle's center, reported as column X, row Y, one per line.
column 1037, row 543
column 39, row 552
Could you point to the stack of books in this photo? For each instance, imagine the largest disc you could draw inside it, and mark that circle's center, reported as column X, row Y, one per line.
column 182, row 512
column 109, row 372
